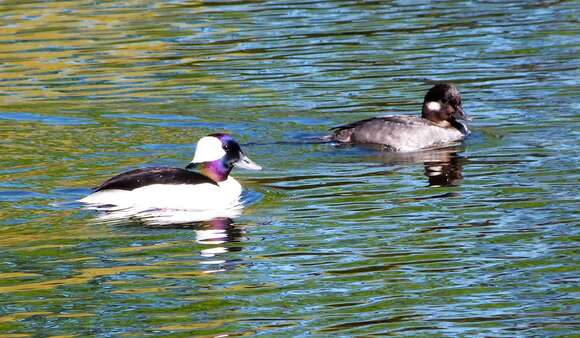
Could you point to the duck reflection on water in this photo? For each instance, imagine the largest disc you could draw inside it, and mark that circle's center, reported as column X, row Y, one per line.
column 213, row 236
column 443, row 166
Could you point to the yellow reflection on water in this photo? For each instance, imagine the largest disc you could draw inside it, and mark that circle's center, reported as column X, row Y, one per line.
column 178, row 275
column 44, row 246
column 22, row 315
column 84, row 276
column 8, row 275
column 143, row 247
column 35, row 54
column 191, row 326
column 139, row 290
column 108, row 52
column 16, row 317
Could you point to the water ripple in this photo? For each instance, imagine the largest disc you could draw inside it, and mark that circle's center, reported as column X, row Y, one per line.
column 476, row 239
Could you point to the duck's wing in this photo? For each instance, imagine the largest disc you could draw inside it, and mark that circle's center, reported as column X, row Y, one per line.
column 138, row 178
column 373, row 126
column 381, row 120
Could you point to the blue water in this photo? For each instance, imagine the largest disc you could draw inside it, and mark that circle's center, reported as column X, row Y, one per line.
column 335, row 240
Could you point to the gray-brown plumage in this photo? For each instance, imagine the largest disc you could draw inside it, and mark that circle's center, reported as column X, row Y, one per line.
column 437, row 126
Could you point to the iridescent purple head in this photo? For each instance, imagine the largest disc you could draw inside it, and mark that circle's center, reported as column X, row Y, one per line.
column 217, row 154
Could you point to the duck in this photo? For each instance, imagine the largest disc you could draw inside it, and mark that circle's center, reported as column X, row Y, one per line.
column 209, row 188
column 441, row 123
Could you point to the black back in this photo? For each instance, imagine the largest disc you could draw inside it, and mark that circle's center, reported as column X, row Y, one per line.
column 138, row 178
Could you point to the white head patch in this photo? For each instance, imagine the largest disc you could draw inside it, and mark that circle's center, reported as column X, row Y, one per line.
column 208, row 149
column 433, row 105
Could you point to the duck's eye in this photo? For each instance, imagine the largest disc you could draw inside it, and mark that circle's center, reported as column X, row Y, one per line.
column 226, row 147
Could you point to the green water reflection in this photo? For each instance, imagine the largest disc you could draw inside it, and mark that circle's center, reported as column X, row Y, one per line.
column 474, row 240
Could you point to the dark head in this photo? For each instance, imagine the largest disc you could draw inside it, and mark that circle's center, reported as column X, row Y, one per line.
column 217, row 154
column 443, row 104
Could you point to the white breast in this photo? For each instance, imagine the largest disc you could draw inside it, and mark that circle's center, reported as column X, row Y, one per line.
column 203, row 196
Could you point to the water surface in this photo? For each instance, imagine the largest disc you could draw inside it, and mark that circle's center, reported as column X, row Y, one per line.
column 473, row 240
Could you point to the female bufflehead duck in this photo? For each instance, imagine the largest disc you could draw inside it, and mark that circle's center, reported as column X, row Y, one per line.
column 175, row 188
column 437, row 126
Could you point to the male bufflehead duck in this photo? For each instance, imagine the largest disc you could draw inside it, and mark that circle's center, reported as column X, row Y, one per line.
column 174, row 188
column 438, row 125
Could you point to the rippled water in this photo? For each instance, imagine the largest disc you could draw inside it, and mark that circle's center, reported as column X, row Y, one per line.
column 477, row 240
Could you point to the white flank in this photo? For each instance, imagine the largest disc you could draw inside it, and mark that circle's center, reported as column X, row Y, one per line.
column 208, row 149
column 433, row 105
column 199, row 197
